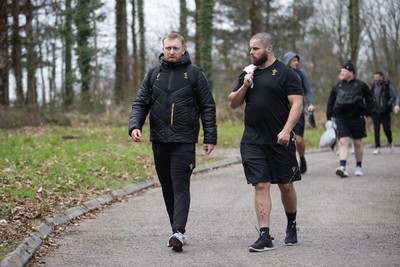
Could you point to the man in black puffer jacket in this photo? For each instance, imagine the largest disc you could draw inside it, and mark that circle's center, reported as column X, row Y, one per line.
column 176, row 101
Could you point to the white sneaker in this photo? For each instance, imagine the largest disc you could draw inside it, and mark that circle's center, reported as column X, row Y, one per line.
column 183, row 237
column 358, row 171
column 341, row 171
column 391, row 147
column 376, row 151
column 176, row 241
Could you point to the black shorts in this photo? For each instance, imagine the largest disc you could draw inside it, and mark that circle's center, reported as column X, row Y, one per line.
column 299, row 127
column 354, row 128
column 276, row 164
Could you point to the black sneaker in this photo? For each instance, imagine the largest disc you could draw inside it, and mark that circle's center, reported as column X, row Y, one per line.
column 263, row 243
column 291, row 235
column 303, row 165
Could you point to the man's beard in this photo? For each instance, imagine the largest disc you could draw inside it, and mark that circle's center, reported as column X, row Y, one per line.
column 261, row 60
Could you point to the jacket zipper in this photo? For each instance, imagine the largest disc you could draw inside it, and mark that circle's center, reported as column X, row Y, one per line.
column 172, row 113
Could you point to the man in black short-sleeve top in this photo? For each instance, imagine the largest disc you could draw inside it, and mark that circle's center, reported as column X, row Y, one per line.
column 274, row 103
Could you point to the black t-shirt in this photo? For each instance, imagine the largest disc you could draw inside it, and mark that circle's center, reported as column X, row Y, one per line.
column 267, row 106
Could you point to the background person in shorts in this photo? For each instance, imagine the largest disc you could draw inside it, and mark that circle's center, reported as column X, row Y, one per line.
column 273, row 106
column 350, row 101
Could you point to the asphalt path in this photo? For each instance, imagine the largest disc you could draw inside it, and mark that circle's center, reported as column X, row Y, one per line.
column 351, row 221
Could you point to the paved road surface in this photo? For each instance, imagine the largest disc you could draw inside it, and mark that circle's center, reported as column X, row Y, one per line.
column 342, row 222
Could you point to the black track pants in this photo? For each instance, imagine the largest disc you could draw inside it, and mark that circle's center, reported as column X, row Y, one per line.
column 384, row 120
column 174, row 165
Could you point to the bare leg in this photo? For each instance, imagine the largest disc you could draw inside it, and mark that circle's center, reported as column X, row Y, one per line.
column 344, row 148
column 301, row 147
column 358, row 150
column 263, row 203
column 289, row 197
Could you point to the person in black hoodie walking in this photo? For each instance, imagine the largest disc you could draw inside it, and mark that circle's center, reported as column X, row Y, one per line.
column 292, row 60
column 385, row 97
column 177, row 98
column 350, row 101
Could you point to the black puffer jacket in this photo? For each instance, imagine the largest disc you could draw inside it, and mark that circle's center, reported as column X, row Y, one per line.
column 175, row 106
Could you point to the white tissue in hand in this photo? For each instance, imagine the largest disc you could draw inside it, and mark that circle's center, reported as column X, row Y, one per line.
column 250, row 68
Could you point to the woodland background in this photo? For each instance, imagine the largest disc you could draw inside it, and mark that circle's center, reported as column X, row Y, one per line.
column 60, row 57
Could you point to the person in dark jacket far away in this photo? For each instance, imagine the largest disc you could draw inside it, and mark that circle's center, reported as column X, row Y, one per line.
column 385, row 97
column 350, row 101
column 273, row 101
column 292, row 60
column 176, row 102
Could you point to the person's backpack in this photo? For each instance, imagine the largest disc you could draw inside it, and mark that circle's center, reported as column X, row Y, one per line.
column 346, row 97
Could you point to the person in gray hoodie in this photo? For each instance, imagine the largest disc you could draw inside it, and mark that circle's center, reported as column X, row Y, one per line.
column 292, row 60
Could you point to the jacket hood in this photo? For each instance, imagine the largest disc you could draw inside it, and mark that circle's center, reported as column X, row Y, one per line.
column 185, row 60
column 288, row 56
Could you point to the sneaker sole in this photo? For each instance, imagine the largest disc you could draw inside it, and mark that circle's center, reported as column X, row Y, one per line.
column 175, row 244
column 290, row 244
column 341, row 174
column 251, row 249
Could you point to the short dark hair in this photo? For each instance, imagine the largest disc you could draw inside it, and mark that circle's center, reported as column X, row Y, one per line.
column 380, row 73
column 265, row 38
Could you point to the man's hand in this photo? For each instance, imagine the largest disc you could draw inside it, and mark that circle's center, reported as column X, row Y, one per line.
column 396, row 109
column 283, row 138
column 208, row 148
column 136, row 135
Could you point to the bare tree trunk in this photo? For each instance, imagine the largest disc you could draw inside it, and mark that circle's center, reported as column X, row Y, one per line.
column 205, row 28
column 31, row 93
column 355, row 29
column 142, row 46
column 16, row 54
column 135, row 60
column 268, row 16
column 53, row 69
column 83, row 49
column 40, row 59
column 96, row 56
column 121, row 56
column 183, row 30
column 256, row 18
column 68, row 98
column 197, row 39
column 4, row 96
